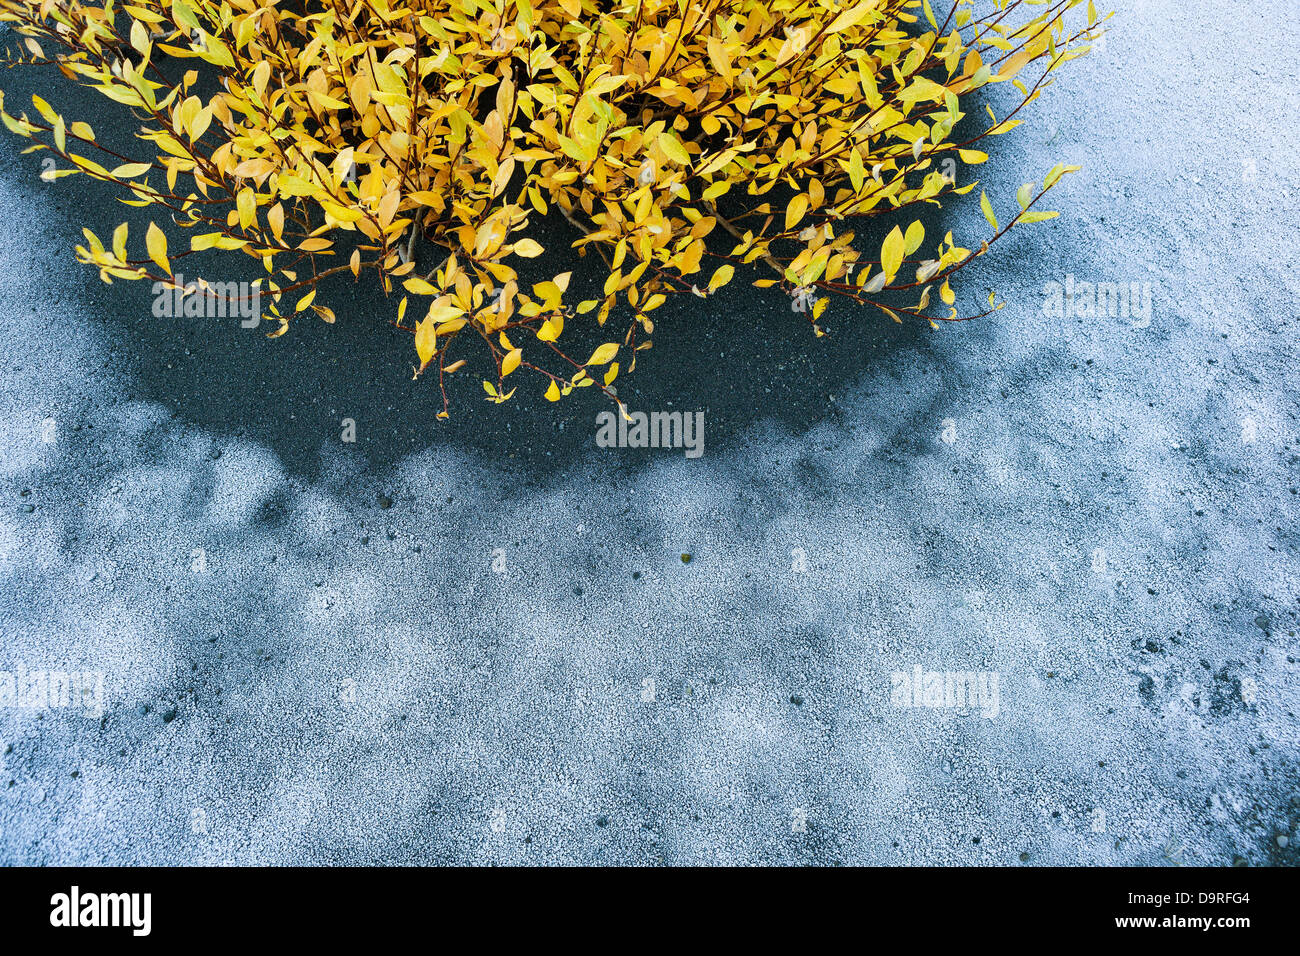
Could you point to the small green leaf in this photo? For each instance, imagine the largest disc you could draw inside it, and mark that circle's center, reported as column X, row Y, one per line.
column 1056, row 172
column 988, row 210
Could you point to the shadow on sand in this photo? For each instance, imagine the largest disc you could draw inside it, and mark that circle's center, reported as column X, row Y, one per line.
column 741, row 357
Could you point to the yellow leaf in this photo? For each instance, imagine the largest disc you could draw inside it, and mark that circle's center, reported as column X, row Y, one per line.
column 891, row 252
column 603, row 354
column 987, row 207
column 852, row 16
column 345, row 214
column 528, row 248
column 444, row 313
column 417, row 286
column 718, row 56
column 131, row 170
column 246, row 201
column 674, row 149
column 276, row 220
column 44, row 109
column 721, row 277
column 795, row 211
column 551, row 329
column 912, row 240
column 1016, row 62
column 426, row 340
column 857, row 173
column 139, row 36
column 1057, row 172
column 715, row 190
column 199, row 126
column 511, row 361
column 552, row 392
column 156, row 242
column 261, row 75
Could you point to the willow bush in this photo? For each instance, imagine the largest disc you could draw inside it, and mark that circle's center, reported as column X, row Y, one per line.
column 421, row 142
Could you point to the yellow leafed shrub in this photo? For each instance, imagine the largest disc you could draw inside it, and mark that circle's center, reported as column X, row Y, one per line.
column 420, row 142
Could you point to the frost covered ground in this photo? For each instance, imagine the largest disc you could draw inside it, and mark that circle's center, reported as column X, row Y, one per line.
column 513, row 663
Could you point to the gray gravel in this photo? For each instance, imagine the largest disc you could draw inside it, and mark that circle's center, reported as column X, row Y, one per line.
column 512, row 663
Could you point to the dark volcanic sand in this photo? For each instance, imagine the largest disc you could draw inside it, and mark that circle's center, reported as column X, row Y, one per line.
column 348, row 682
